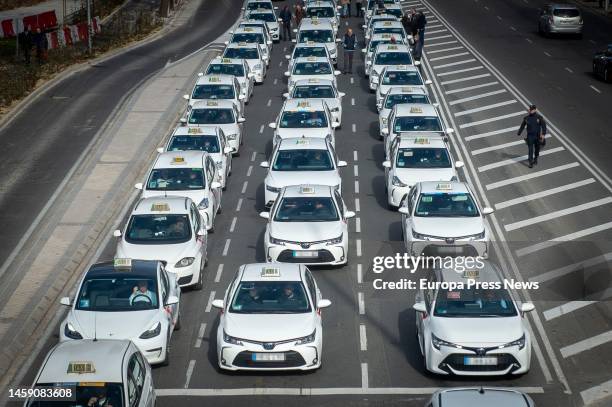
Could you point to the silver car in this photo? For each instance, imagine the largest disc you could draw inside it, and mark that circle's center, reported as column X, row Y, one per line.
column 560, row 19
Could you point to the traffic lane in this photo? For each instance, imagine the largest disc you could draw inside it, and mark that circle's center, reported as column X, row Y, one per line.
column 45, row 140
column 544, row 80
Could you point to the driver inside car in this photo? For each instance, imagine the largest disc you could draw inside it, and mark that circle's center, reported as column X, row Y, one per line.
column 142, row 293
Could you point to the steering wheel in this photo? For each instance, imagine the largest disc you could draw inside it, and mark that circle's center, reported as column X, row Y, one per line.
column 142, row 299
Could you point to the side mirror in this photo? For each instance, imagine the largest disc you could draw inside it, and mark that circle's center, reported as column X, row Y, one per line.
column 368, row 63
column 242, row 97
column 251, row 75
column 428, row 82
column 294, row 40
column 232, row 31
column 417, row 63
column 201, row 232
column 200, row 74
column 364, row 50
column 215, row 185
column 269, row 42
column 337, row 73
column 295, row 30
column 138, row 186
column 218, row 304
column 241, row 120
column 265, row 215
column 338, row 40
column 341, row 94
column 226, row 42
column 264, row 164
column 323, row 303
column 335, row 125
column 65, row 301
column 527, row 307
column 459, row 164
column 172, row 299
column 183, row 121
column 449, row 131
column 404, row 210
column 160, row 150
column 186, row 97
column 386, row 164
column 364, row 26
column 385, row 131
column 487, row 211
column 286, row 95
column 436, row 105
column 420, row 307
column 228, row 150
column 342, row 164
column 272, row 125
column 287, row 56
column 287, row 74
column 367, row 36
column 117, row 233
column 349, row 214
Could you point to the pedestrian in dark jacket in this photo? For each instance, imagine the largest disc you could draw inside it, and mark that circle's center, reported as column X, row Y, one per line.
column 536, row 131
column 359, row 7
column 348, row 43
column 41, row 44
column 407, row 22
column 285, row 15
column 420, row 23
column 26, row 41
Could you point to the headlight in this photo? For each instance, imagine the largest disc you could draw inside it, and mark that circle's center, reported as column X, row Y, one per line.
column 231, row 339
column 479, row 236
column 336, row 240
column 307, row 339
column 272, row 189
column 203, row 204
column 185, row 262
column 277, row 241
column 71, row 333
column 232, row 136
column 520, row 342
column 151, row 332
column 419, row 236
column 437, row 343
column 397, row 182
column 335, row 109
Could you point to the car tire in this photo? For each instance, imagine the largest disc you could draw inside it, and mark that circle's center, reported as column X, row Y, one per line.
column 177, row 324
column 200, row 284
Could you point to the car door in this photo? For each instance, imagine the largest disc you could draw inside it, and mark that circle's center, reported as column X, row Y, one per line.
column 196, row 226
column 389, row 172
column 173, row 289
column 315, row 295
column 410, row 203
column 135, row 382
column 422, row 320
column 212, row 175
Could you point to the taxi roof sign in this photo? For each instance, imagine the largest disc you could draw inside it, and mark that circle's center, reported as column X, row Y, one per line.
column 392, row 47
column 421, row 140
column 160, row 207
column 212, row 103
column 302, row 142
column 242, row 44
column 178, row 160
column 313, row 80
column 471, row 273
column 303, row 104
column 408, row 89
column 214, row 79
column 307, row 190
column 310, row 42
column 226, row 60
column 444, row 186
column 270, row 272
column 92, row 384
column 122, row 263
column 415, row 109
column 194, row 130
column 81, row 367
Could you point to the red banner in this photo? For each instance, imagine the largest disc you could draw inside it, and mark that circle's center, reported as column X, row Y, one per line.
column 8, row 28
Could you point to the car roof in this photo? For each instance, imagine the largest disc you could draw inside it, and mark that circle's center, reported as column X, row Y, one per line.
column 212, row 104
column 310, row 59
column 272, row 272
column 307, row 190
column 397, row 47
column 403, row 67
column 162, row 205
column 303, row 105
column 395, row 90
column 196, row 130
column 106, row 356
column 216, row 79
column 314, row 82
column 408, row 140
column 300, row 143
column 131, row 266
column 468, row 397
column 436, row 187
column 415, row 109
column 249, row 30
column 180, row 159
column 320, row 3
column 315, row 24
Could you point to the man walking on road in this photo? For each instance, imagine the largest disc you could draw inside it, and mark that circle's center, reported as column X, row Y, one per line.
column 348, row 42
column 285, row 15
column 536, row 131
column 421, row 21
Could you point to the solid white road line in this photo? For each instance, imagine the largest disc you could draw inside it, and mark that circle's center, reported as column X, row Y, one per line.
column 364, row 376
column 233, row 225
column 441, row 43
column 189, row 372
column 356, row 170
column 596, row 393
column 435, row 25
column 529, row 41
column 226, row 247
column 516, row 160
column 569, row 70
column 449, row 56
column 466, row 61
column 474, row 68
column 352, row 101
column 465, row 79
column 275, row 81
column 501, row 146
column 361, row 303
column 219, row 272
column 565, row 309
column 483, row 108
column 211, row 298
column 357, row 206
column 531, row 175
column 245, row 184
column 475, row 97
column 439, row 37
column 200, row 337
column 482, row 85
column 443, row 50
column 547, row 54
column 363, row 340
column 269, row 102
column 557, row 214
column 437, row 31
column 492, row 133
column 358, row 247
column 359, row 273
column 239, row 205
column 595, row 89
column 491, row 119
column 512, row 28
column 352, row 80
column 567, row 238
column 562, row 271
column 542, row 194
column 586, row 344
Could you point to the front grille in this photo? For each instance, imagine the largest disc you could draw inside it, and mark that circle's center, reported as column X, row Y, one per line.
column 324, row 256
column 455, row 361
column 292, row 359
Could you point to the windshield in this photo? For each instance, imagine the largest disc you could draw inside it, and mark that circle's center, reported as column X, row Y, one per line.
column 120, row 292
column 393, row 58
column 314, row 91
column 566, row 12
column 312, row 209
column 113, row 392
column 158, row 229
column 422, row 158
column 303, row 120
column 248, row 38
column 211, row 116
column 320, row 12
column 303, row 160
column 226, row 69
column 176, row 179
column 196, row 143
column 396, row 99
column 402, row 78
column 213, row 92
column 244, row 53
column 446, row 205
column 316, row 36
column 267, row 17
column 474, row 303
column 310, row 52
column 312, row 68
column 254, row 5
column 417, row 123
column 270, row 297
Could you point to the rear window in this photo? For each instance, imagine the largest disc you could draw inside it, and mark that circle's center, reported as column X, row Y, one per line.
column 566, row 12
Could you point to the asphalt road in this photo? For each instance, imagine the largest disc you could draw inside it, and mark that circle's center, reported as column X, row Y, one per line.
column 550, row 220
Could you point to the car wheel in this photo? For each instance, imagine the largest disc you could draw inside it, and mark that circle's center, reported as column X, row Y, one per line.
column 198, row 286
column 177, row 324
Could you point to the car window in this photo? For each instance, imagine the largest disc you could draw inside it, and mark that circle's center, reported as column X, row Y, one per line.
column 158, row 229
column 474, row 303
column 320, row 12
column 165, row 284
column 270, row 297
column 566, row 12
column 312, row 68
column 248, row 38
column 303, row 160
column 402, row 78
column 311, row 287
column 176, row 179
column 316, row 36
column 115, row 292
column 393, row 58
column 225, row 69
column 446, row 205
column 208, row 143
column 398, row 98
column 422, row 158
column 309, row 52
column 113, row 392
column 135, row 380
column 244, row 53
column 314, row 91
column 213, row 92
column 416, row 123
column 303, row 119
column 339, row 203
column 311, row 209
column 211, row 116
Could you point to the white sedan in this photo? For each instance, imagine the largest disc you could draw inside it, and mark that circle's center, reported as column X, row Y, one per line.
column 319, row 89
column 311, row 68
column 304, row 118
column 399, row 95
column 398, row 75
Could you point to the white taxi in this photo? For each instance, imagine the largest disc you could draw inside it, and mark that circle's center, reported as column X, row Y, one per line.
column 269, row 17
column 386, row 27
column 169, row 229
column 319, row 31
column 308, row 49
column 377, row 39
column 414, row 159
column 370, row 5
column 252, row 54
column 443, row 218
column 271, row 319
column 255, row 23
column 477, row 329
column 102, row 372
column 126, row 299
column 252, row 35
column 299, row 160
column 186, row 173
column 236, row 67
column 319, row 89
column 398, row 75
column 377, row 17
column 311, row 68
column 217, row 87
column 304, row 118
column 307, row 224
column 385, row 55
column 400, row 95
column 322, row 9
column 259, row 4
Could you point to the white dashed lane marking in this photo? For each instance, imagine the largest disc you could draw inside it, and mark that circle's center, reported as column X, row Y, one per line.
column 219, row 272
column 200, row 335
column 226, row 247
column 211, row 298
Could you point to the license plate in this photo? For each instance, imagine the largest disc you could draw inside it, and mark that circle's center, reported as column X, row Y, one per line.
column 268, row 357
column 449, row 250
column 476, row 361
column 306, row 253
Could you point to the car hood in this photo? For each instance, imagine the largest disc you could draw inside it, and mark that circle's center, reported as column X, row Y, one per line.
column 170, row 253
column 113, row 325
column 308, row 231
column 411, row 176
column 319, row 132
column 280, row 179
column 269, row 327
column 448, row 227
column 485, row 332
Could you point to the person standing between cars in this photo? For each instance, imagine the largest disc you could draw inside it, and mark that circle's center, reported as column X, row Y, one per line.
column 41, row 43
column 299, row 14
column 359, row 8
column 421, row 21
column 343, row 10
column 25, row 39
column 285, row 15
column 349, row 42
column 407, row 22
column 536, row 131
